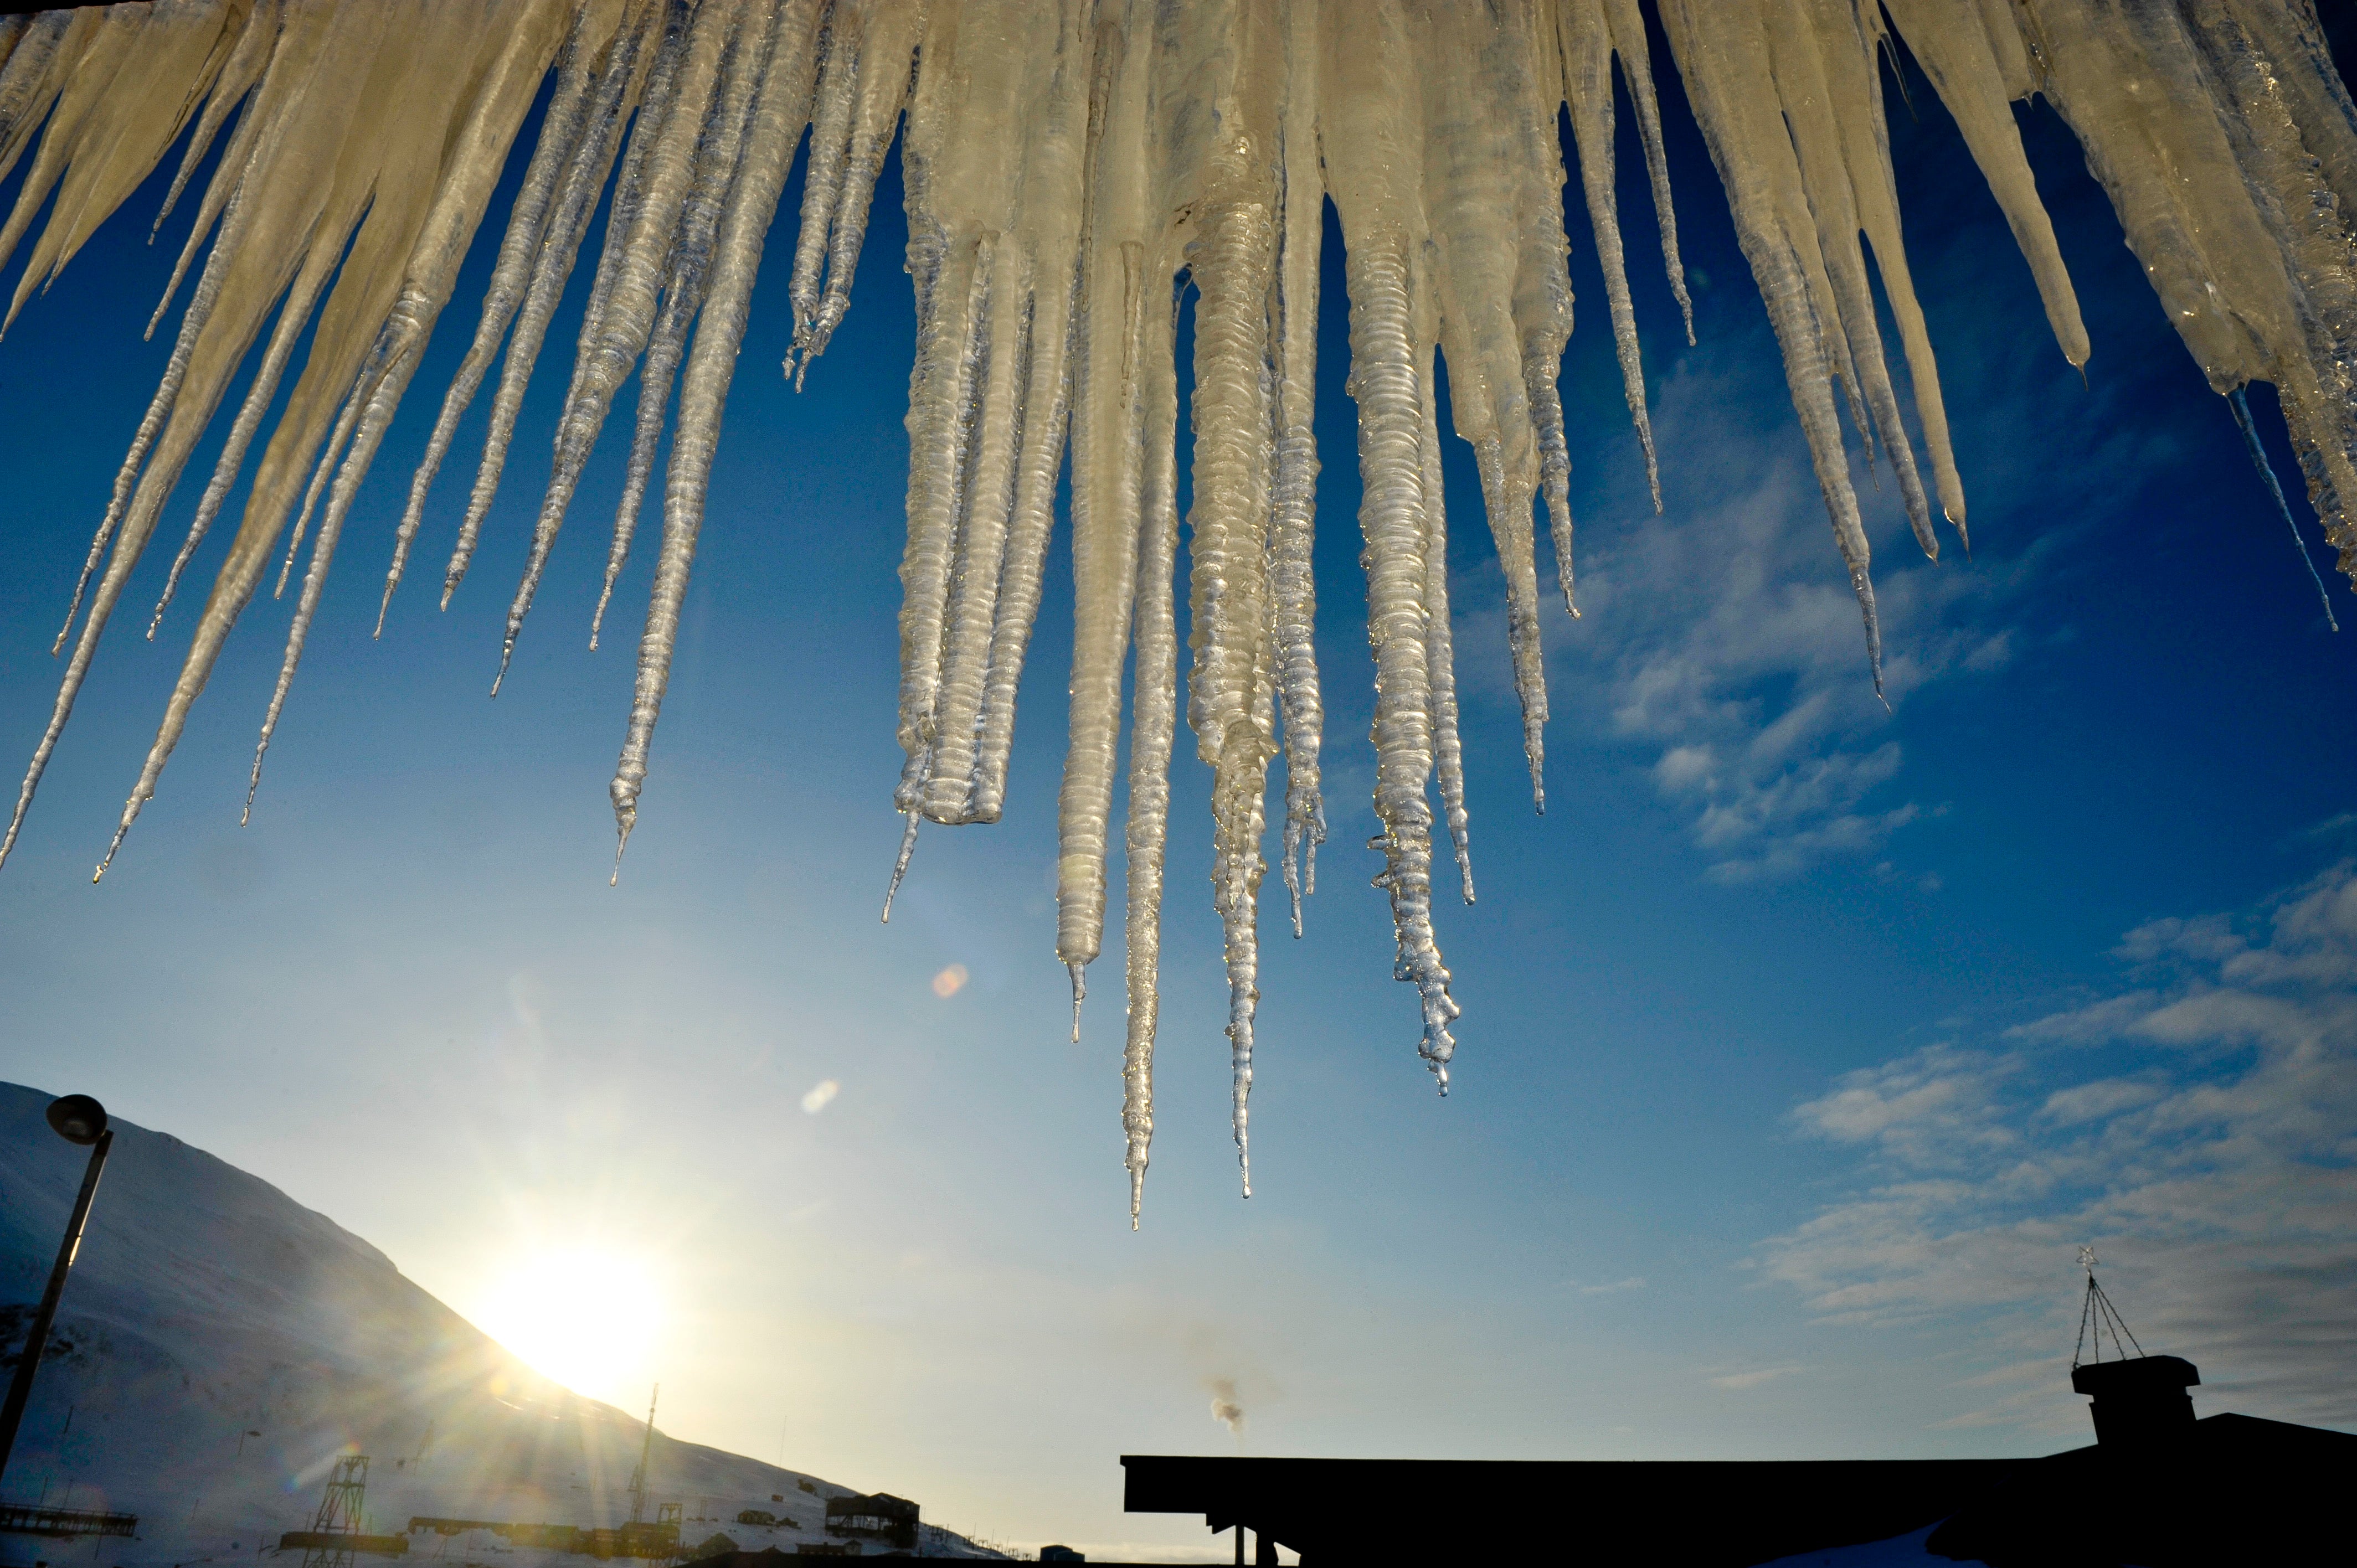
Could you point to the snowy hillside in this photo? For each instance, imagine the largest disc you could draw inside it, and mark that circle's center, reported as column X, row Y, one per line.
column 220, row 1344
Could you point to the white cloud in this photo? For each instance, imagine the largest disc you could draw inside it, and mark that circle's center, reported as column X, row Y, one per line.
column 1724, row 639
column 2207, row 1147
column 1740, row 1381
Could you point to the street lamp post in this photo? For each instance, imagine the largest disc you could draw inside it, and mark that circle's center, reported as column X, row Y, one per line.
column 78, row 1119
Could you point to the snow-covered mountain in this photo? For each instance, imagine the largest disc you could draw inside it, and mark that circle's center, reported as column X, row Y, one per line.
column 220, row 1344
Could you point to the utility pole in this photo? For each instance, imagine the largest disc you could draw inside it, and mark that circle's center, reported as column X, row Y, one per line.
column 78, row 1119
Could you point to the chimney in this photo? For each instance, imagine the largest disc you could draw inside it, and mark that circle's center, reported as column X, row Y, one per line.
column 2139, row 1401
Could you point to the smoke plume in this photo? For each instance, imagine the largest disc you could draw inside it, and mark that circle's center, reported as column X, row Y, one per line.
column 1225, row 1410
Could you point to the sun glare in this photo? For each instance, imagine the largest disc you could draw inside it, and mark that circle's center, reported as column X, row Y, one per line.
column 586, row 1317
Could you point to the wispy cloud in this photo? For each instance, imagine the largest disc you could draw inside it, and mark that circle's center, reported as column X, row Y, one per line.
column 1724, row 639
column 1739, row 1382
column 1634, row 1282
column 2200, row 1126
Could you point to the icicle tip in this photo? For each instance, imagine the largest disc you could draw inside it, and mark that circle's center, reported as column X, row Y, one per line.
column 901, row 865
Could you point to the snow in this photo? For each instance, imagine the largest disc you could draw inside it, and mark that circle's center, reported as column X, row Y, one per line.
column 227, row 1344
column 1898, row 1551
column 1068, row 165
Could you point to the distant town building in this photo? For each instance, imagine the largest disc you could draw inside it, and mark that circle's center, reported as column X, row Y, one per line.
column 343, row 1540
column 17, row 1519
column 877, row 1516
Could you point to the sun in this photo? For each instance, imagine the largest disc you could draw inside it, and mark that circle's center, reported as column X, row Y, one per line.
column 586, row 1317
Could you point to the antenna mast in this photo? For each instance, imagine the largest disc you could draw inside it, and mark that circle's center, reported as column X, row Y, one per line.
column 646, row 1450
column 2098, row 1313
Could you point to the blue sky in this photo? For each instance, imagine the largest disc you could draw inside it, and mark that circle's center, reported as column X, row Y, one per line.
column 1804, row 1041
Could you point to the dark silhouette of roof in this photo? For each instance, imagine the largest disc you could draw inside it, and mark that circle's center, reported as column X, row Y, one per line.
column 1708, row 1513
column 2225, row 1489
column 2157, row 1488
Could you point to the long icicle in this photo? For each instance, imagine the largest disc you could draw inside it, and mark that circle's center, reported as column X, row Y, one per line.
column 561, row 184
column 1448, row 749
column 1229, row 691
column 2242, row 407
column 1293, row 583
column 635, row 244
column 698, row 145
column 667, row 342
column 1152, row 731
column 780, row 110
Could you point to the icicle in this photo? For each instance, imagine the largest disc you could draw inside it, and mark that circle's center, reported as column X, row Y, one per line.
column 831, row 109
column 1637, row 73
column 1745, row 133
column 1118, row 277
column 1448, row 751
column 458, row 205
column 1479, row 101
column 990, row 220
column 952, row 357
column 293, row 317
column 780, row 110
column 682, row 295
column 899, row 862
column 383, row 63
column 311, row 493
column 1829, row 177
column 1383, row 374
column 126, row 478
column 294, row 53
column 1230, row 689
column 254, row 40
column 192, row 387
column 1047, row 225
column 972, row 601
column 28, row 82
column 1369, row 88
column 1046, row 415
column 1953, row 45
column 1554, row 468
column 158, row 68
column 616, row 332
column 1293, row 335
column 888, row 45
column 2242, row 407
column 93, row 58
column 1542, row 298
column 561, row 184
column 1587, row 40
column 1152, row 732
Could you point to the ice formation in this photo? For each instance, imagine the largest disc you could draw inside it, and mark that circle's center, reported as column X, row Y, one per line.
column 1069, row 166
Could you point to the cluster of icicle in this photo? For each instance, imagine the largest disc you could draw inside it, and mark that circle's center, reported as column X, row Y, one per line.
column 1070, row 164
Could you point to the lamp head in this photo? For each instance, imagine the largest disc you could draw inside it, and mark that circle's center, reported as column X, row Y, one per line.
column 78, row 1119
